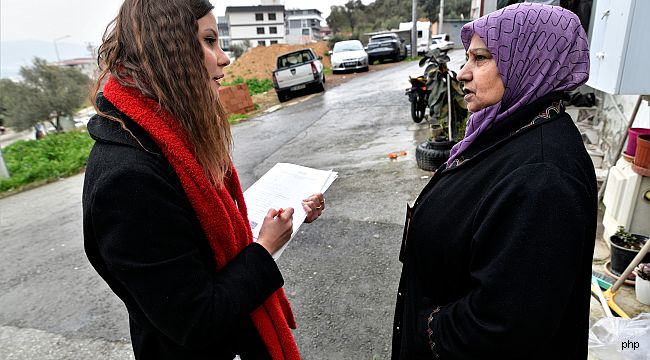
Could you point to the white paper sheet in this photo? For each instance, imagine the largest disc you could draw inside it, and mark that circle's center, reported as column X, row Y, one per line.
column 285, row 185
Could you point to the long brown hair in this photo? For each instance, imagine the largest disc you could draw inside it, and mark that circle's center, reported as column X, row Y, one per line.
column 152, row 45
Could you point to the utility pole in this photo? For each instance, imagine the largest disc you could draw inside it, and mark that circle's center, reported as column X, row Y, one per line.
column 440, row 16
column 4, row 173
column 414, row 29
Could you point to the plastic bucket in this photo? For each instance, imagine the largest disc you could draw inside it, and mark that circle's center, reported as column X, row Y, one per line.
column 642, row 157
column 632, row 135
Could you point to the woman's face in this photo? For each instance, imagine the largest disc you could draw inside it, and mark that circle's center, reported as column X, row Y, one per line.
column 213, row 57
column 482, row 83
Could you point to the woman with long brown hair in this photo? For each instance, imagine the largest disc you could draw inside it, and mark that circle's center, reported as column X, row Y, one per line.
column 165, row 221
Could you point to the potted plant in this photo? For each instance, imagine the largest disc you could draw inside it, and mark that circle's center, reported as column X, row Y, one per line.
column 624, row 247
column 642, row 285
column 447, row 111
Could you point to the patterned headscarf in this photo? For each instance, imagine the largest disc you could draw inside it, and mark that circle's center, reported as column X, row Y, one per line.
column 538, row 49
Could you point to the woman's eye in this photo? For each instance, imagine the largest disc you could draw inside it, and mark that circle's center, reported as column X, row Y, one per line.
column 210, row 41
column 480, row 58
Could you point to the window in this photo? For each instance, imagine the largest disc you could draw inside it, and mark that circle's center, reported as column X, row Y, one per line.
column 259, row 17
column 273, row 30
column 294, row 24
column 273, row 42
column 305, row 32
column 261, row 43
column 271, row 16
column 260, row 31
column 419, row 34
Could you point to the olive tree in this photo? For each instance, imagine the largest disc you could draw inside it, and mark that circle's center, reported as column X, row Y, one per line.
column 46, row 93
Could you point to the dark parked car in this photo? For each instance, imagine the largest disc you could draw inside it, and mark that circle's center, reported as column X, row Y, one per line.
column 386, row 46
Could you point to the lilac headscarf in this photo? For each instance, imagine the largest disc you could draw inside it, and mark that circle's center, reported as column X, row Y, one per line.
column 538, row 49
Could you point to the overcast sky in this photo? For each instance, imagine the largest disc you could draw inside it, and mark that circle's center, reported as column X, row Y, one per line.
column 85, row 20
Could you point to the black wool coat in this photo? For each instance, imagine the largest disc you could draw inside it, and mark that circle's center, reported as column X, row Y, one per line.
column 143, row 237
column 497, row 254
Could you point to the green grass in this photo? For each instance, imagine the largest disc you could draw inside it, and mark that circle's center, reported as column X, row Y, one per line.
column 410, row 58
column 327, row 70
column 235, row 118
column 255, row 86
column 32, row 162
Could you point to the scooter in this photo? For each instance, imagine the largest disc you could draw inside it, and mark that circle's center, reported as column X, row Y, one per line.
column 418, row 96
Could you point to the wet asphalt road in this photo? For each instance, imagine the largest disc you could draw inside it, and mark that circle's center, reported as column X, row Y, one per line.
column 341, row 272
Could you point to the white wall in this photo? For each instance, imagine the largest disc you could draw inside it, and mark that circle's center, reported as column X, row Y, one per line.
column 243, row 26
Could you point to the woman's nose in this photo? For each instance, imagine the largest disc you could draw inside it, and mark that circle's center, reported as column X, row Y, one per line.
column 223, row 59
column 464, row 74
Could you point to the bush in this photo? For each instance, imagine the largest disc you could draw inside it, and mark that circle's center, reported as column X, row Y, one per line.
column 36, row 161
column 255, row 86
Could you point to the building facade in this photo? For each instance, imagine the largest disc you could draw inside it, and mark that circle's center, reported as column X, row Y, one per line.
column 224, row 33
column 261, row 25
column 87, row 66
column 303, row 26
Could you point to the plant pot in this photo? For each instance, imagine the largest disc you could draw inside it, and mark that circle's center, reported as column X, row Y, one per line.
column 642, row 156
column 622, row 257
column 632, row 135
column 642, row 288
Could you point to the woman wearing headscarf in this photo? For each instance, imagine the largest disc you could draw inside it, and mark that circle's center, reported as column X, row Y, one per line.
column 497, row 248
column 165, row 221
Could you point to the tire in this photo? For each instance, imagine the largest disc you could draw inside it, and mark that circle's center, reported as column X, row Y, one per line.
column 282, row 96
column 319, row 87
column 431, row 154
column 417, row 112
column 365, row 69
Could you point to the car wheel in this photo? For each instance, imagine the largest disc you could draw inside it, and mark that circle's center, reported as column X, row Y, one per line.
column 365, row 69
column 282, row 96
column 319, row 87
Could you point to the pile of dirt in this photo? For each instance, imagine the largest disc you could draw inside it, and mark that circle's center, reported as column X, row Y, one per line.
column 259, row 62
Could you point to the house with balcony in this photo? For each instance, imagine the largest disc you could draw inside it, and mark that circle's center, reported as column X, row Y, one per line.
column 224, row 33
column 303, row 26
column 262, row 25
column 86, row 65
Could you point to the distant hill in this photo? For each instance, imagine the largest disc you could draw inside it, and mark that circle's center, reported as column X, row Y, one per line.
column 14, row 54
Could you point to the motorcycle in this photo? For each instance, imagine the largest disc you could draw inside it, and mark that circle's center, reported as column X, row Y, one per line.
column 418, row 96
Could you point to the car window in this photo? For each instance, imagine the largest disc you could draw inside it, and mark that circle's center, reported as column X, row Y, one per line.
column 295, row 58
column 350, row 46
column 383, row 38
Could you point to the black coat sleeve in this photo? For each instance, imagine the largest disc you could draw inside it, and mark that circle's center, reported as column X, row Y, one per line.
column 528, row 242
column 146, row 235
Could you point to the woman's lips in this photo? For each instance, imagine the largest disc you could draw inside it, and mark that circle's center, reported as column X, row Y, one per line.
column 468, row 96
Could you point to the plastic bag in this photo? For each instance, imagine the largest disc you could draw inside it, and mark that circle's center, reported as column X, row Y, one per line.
column 618, row 338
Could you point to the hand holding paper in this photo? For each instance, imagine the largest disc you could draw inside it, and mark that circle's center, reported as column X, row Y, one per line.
column 286, row 185
column 276, row 229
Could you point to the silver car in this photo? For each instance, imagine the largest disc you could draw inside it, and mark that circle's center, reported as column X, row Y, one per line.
column 349, row 55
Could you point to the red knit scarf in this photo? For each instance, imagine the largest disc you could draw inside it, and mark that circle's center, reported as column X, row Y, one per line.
column 224, row 222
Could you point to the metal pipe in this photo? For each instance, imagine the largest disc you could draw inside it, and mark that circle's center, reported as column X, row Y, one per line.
column 449, row 105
